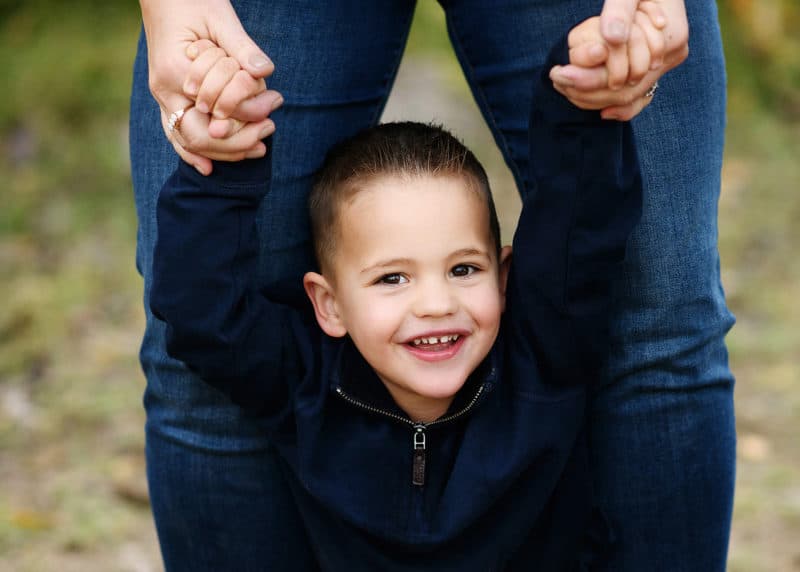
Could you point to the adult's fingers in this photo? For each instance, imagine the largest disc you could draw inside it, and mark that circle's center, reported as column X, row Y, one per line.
column 580, row 78
column 656, row 42
column 653, row 10
column 624, row 112
column 638, row 55
column 194, row 137
column 617, row 65
column 202, row 164
column 600, row 98
column 616, row 19
column 223, row 128
column 627, row 112
column 227, row 30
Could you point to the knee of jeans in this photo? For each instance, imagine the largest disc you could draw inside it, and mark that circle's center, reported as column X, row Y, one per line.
column 677, row 346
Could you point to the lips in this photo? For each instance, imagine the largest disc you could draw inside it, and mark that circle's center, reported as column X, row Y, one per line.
column 436, row 347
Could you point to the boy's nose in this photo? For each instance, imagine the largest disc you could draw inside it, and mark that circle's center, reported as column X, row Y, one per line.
column 435, row 298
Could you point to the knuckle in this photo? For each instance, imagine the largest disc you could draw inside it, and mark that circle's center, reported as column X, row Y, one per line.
column 230, row 65
column 217, row 53
column 239, row 83
column 626, row 98
column 156, row 82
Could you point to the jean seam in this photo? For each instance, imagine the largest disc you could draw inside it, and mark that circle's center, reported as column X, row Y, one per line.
column 389, row 82
column 481, row 99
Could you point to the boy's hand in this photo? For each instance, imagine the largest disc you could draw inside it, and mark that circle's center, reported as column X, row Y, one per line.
column 220, row 86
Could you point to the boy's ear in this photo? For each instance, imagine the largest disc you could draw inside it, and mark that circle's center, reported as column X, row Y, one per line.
column 323, row 298
column 505, row 266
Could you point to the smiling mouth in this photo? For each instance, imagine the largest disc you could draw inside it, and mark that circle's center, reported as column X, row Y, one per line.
column 435, row 343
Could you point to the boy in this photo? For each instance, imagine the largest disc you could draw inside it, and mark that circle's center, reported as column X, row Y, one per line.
column 423, row 428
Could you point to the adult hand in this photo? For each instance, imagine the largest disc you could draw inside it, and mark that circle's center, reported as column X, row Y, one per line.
column 595, row 88
column 171, row 26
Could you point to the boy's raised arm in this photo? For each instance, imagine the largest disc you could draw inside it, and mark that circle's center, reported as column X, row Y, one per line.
column 203, row 272
column 584, row 200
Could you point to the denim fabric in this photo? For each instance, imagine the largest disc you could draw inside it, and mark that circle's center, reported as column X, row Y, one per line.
column 662, row 430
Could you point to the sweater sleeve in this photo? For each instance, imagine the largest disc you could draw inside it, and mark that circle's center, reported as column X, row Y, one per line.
column 584, row 201
column 204, row 266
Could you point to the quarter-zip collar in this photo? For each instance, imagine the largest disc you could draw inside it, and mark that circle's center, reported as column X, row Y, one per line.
column 354, row 380
column 360, row 386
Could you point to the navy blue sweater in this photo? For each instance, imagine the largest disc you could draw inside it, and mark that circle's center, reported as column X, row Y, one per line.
column 502, row 480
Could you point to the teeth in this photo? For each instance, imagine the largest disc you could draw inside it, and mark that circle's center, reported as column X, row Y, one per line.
column 435, row 340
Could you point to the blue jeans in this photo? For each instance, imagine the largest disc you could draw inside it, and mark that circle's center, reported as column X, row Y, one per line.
column 662, row 425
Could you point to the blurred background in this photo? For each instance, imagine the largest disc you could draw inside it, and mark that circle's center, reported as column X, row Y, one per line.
column 72, row 489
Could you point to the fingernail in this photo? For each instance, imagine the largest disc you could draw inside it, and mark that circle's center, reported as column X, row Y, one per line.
column 656, row 64
column 218, row 114
column 277, row 103
column 191, row 51
column 191, row 88
column 267, row 131
column 202, row 107
column 259, row 61
column 200, row 170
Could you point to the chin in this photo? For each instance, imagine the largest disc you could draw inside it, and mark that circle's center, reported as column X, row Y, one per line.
column 439, row 389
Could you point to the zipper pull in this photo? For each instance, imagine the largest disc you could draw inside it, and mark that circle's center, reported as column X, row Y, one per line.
column 418, row 472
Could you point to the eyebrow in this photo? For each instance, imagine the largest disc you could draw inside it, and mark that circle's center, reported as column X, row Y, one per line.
column 402, row 261
column 386, row 264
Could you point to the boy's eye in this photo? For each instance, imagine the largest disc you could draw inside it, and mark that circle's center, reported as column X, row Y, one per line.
column 461, row 270
column 392, row 279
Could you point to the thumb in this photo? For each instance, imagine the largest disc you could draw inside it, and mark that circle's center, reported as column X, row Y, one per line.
column 229, row 35
column 616, row 19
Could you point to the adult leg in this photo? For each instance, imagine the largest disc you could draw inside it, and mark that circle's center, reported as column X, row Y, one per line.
column 663, row 441
column 218, row 496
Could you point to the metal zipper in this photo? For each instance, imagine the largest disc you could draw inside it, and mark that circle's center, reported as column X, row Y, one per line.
column 419, row 437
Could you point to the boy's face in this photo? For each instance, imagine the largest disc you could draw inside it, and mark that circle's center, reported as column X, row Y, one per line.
column 418, row 286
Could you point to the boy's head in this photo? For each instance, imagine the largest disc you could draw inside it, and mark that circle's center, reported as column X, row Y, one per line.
column 406, row 150
column 408, row 243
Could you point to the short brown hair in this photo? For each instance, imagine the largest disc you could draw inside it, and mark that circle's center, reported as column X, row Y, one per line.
column 402, row 149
